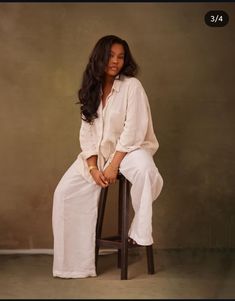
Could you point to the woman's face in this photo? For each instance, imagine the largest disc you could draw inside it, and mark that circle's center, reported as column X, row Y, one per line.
column 116, row 60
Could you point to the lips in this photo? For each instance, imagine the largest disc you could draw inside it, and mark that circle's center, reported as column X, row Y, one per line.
column 114, row 68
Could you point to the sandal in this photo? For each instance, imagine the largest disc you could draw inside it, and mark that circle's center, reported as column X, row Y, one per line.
column 131, row 242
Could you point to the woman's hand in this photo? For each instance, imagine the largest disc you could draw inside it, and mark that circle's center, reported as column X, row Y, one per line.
column 99, row 178
column 111, row 174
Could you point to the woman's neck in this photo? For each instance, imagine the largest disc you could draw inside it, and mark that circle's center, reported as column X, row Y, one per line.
column 108, row 81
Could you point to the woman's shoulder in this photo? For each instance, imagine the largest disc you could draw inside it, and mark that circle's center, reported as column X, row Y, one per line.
column 131, row 81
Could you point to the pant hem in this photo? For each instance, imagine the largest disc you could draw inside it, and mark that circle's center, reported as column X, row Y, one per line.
column 73, row 274
column 141, row 242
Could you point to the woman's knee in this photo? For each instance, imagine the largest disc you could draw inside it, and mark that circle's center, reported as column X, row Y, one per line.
column 147, row 170
column 139, row 165
column 145, row 166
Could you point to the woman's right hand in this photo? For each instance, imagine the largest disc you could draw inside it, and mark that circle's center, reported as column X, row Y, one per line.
column 99, row 178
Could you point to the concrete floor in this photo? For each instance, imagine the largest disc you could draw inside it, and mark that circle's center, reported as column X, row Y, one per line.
column 179, row 274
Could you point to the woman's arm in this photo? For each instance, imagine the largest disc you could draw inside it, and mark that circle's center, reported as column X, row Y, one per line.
column 111, row 170
column 88, row 145
column 135, row 128
column 87, row 140
column 137, row 119
column 117, row 159
column 96, row 174
column 92, row 161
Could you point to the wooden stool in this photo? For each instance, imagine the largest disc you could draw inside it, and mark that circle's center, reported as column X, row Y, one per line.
column 120, row 241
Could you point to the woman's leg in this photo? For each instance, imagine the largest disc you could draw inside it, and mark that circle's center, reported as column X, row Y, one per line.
column 139, row 168
column 74, row 225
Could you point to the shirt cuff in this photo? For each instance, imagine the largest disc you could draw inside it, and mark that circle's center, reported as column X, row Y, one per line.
column 126, row 148
column 88, row 154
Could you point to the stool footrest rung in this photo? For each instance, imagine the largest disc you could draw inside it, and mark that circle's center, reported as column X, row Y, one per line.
column 109, row 244
column 113, row 237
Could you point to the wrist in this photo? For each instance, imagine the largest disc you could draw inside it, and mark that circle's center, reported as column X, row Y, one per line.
column 92, row 167
column 114, row 167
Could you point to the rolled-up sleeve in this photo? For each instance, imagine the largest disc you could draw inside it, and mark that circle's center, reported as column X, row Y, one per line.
column 136, row 122
column 87, row 139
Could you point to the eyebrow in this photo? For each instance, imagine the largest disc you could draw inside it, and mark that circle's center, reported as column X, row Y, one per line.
column 122, row 53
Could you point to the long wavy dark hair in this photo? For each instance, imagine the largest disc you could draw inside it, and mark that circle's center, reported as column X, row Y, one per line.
column 93, row 76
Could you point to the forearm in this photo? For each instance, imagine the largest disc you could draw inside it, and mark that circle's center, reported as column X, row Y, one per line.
column 92, row 161
column 117, row 159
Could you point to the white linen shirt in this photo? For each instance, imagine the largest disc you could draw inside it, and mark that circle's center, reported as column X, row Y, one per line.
column 124, row 124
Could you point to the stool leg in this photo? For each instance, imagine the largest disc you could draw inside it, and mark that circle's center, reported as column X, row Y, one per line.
column 120, row 204
column 150, row 261
column 100, row 218
column 124, row 238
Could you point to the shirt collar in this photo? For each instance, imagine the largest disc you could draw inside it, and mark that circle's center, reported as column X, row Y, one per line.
column 116, row 84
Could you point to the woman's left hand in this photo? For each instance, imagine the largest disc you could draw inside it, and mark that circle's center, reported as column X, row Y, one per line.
column 110, row 174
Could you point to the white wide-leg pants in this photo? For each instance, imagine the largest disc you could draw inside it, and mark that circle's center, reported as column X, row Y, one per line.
column 75, row 211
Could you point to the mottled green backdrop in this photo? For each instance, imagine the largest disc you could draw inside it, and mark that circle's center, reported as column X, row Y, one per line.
column 187, row 69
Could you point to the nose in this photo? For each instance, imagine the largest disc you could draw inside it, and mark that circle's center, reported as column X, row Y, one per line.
column 114, row 59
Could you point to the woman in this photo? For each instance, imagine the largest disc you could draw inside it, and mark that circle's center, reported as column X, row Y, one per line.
column 116, row 134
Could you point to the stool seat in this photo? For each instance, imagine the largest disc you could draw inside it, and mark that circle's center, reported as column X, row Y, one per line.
column 120, row 240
